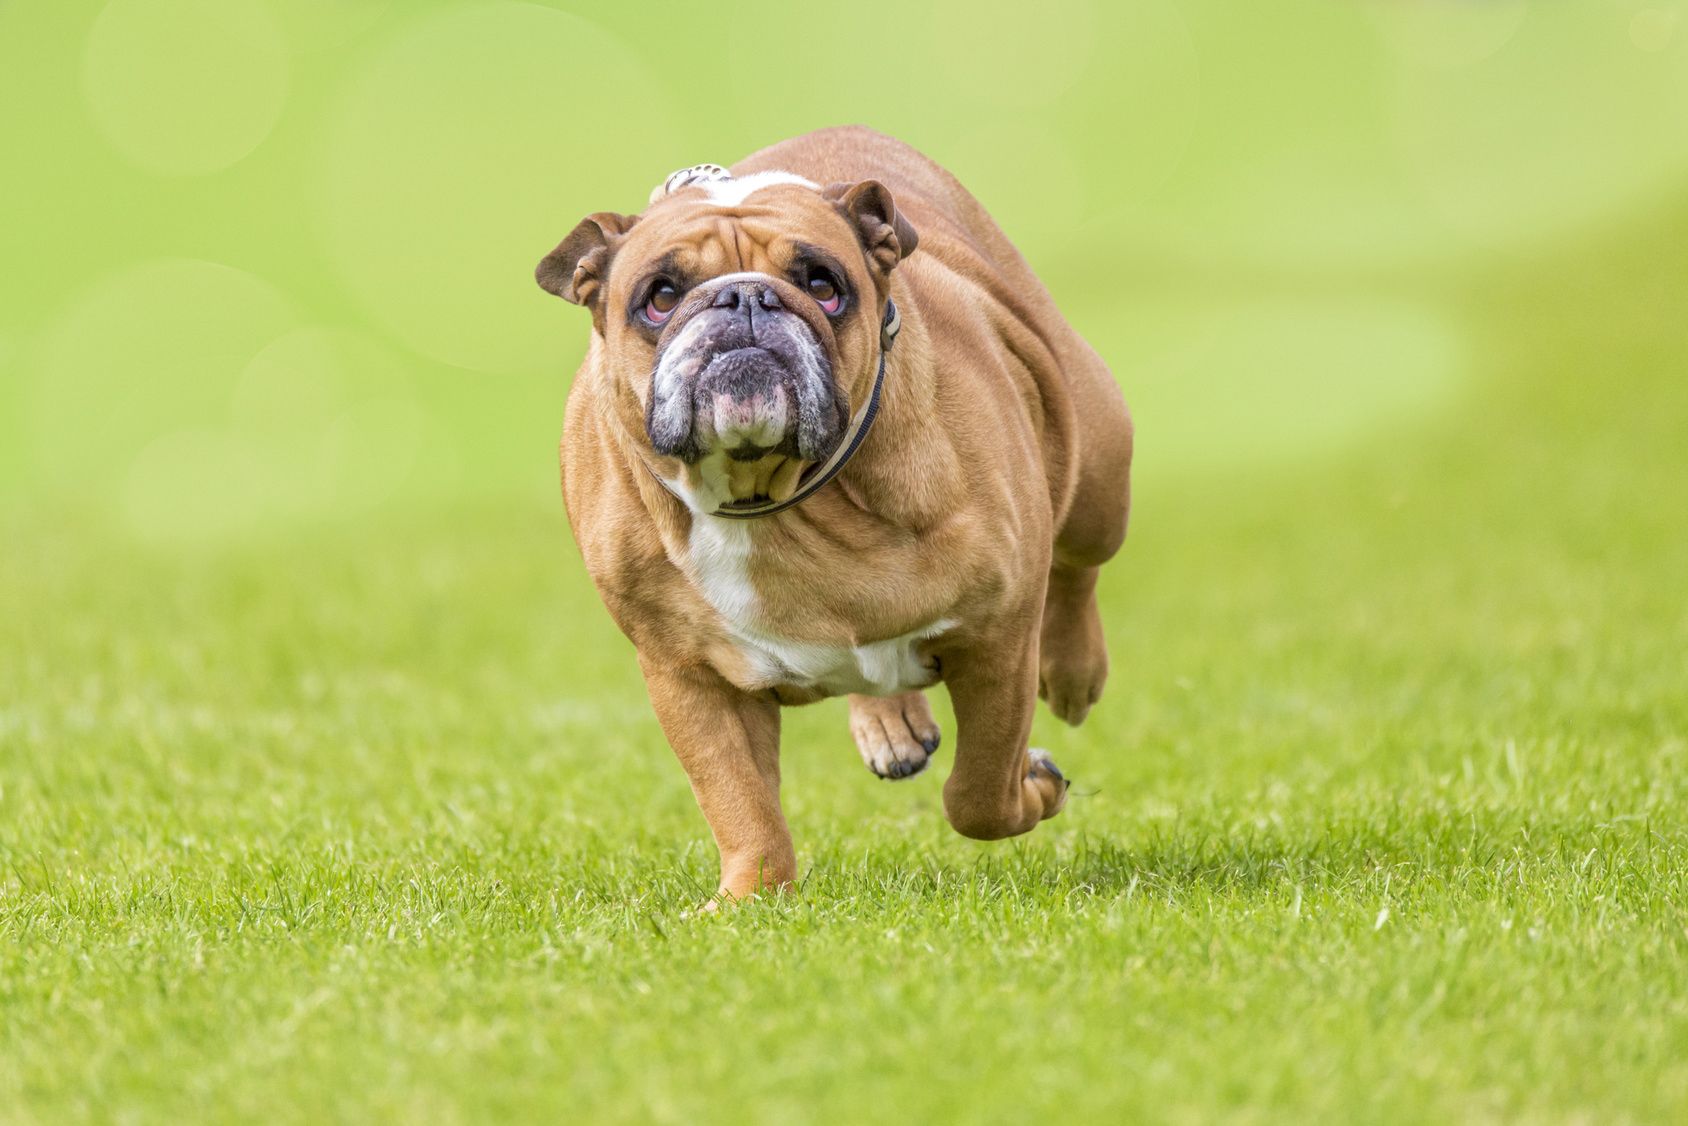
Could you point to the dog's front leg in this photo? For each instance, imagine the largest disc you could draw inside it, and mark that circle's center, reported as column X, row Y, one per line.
column 999, row 787
column 728, row 741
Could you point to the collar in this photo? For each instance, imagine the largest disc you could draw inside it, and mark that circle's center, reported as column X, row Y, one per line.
column 817, row 476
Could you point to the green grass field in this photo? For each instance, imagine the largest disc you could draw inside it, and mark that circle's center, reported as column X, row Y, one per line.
column 329, row 792
column 1382, row 817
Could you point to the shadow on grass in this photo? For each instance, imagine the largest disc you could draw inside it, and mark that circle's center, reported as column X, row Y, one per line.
column 1464, row 853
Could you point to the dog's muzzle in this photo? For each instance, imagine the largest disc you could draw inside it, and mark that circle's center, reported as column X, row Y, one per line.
column 744, row 375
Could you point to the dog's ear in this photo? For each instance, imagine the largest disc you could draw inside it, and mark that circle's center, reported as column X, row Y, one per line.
column 867, row 206
column 577, row 269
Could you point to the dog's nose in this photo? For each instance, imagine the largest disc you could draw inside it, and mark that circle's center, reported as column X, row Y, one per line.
column 748, row 295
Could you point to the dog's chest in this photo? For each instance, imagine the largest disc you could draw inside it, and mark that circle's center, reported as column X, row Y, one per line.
column 720, row 566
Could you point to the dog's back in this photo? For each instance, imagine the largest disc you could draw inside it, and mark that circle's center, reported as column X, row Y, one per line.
column 1087, row 430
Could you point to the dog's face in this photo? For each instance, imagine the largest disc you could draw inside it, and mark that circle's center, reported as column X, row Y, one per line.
column 743, row 314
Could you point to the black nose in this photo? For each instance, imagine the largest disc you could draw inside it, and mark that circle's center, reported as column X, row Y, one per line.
column 746, row 295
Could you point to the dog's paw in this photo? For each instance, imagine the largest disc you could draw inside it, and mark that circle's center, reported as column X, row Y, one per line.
column 895, row 734
column 1072, row 686
column 1042, row 772
column 1073, row 653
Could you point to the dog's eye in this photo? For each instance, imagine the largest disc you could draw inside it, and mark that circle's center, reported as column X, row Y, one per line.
column 660, row 304
column 824, row 288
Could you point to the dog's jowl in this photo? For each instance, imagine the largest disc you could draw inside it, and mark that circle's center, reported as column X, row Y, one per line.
column 833, row 437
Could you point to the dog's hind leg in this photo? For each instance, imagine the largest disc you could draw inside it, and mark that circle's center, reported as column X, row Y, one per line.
column 1094, row 523
column 1073, row 656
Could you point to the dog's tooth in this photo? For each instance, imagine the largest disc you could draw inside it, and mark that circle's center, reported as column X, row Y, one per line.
column 764, row 472
column 784, row 481
column 741, row 479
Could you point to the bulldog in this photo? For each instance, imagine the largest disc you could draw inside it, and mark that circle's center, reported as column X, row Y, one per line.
column 831, row 436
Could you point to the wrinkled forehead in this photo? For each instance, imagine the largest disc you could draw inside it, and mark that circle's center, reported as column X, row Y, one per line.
column 702, row 237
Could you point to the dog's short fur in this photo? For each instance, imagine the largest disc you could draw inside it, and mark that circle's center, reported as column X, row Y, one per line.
column 960, row 543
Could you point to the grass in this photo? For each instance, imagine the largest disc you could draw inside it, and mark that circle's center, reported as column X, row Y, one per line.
column 1383, row 817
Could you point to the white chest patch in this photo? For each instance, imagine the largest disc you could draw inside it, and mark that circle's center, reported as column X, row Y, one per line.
column 720, row 566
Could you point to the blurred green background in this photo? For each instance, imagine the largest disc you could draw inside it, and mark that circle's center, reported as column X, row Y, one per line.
column 328, row 789
column 267, row 261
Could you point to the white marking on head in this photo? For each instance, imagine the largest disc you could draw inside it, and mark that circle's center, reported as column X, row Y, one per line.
column 732, row 192
column 722, row 187
column 738, row 276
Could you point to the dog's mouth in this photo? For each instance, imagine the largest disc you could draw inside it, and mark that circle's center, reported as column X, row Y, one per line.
column 745, row 405
column 753, row 390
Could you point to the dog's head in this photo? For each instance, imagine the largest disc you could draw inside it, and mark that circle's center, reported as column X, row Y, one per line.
column 743, row 313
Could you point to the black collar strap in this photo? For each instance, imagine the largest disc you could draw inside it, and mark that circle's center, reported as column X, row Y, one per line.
column 812, row 481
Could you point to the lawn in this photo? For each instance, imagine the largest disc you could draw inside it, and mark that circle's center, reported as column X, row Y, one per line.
column 329, row 792
column 1382, row 817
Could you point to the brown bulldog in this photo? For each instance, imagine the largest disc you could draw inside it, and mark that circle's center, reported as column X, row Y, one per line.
column 803, row 458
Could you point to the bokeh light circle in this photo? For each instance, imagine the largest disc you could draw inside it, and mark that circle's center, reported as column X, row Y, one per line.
column 1234, row 384
column 317, row 24
column 195, row 485
column 321, row 424
column 1447, row 33
column 185, row 87
column 1036, row 211
column 334, row 417
column 368, row 452
column 1286, row 160
column 464, row 151
column 980, row 60
column 1095, row 125
column 1521, row 146
column 12, row 448
column 150, row 350
column 1652, row 29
